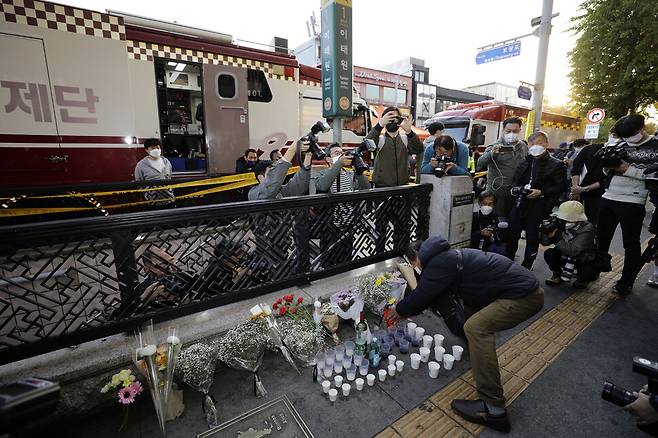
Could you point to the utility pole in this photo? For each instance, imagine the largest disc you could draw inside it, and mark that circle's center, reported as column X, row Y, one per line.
column 540, row 74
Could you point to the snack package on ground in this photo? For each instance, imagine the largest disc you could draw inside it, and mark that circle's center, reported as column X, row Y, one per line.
column 157, row 362
column 347, row 304
column 242, row 348
column 330, row 321
column 196, row 368
column 376, row 290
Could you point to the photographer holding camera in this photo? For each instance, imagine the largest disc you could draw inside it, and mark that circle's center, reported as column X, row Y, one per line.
column 487, row 231
column 626, row 195
column 345, row 174
column 271, row 175
column 497, row 294
column 501, row 160
column 575, row 249
column 445, row 158
column 538, row 183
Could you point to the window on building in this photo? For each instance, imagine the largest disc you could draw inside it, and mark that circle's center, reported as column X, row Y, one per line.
column 402, row 96
column 372, row 92
column 389, row 94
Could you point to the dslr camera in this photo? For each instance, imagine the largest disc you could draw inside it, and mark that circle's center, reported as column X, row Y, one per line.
column 622, row 397
column 356, row 155
column 549, row 225
column 520, row 192
column 612, row 156
column 440, row 169
column 312, row 139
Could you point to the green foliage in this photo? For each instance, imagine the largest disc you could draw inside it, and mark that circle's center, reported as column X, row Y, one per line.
column 615, row 60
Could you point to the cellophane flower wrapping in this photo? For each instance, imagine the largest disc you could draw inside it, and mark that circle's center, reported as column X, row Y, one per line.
column 347, row 304
column 196, row 368
column 377, row 289
column 303, row 338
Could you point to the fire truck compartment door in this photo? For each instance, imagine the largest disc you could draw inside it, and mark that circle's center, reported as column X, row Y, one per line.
column 225, row 100
column 29, row 138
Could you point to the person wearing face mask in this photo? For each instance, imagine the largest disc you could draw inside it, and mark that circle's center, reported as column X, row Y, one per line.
column 501, row 160
column 626, row 195
column 487, row 231
column 588, row 180
column 497, row 294
column 542, row 177
column 154, row 167
column 271, row 175
column 574, row 241
column 247, row 163
column 337, row 233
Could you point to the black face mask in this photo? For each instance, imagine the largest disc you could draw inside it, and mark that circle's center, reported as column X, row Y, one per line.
column 392, row 127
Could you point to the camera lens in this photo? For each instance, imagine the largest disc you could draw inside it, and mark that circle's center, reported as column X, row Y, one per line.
column 618, row 396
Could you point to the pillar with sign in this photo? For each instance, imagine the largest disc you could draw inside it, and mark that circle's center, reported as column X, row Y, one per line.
column 336, row 47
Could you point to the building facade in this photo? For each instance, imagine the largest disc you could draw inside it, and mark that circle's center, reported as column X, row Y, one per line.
column 500, row 92
column 383, row 88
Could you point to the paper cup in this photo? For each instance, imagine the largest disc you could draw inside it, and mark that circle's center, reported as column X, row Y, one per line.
column 359, row 383
column 382, row 375
column 434, row 368
column 346, row 389
column 349, row 348
column 411, row 328
column 358, row 357
column 399, row 365
column 438, row 353
column 326, row 386
column 333, row 394
column 338, row 367
column 427, row 341
column 448, row 361
column 347, row 362
column 424, row 354
column 391, row 370
column 371, row 379
column 438, row 340
column 415, row 361
column 338, row 381
column 420, row 332
column 391, row 359
column 457, row 351
column 328, row 371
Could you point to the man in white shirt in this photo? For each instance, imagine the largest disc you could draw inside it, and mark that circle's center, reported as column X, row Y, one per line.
column 154, row 167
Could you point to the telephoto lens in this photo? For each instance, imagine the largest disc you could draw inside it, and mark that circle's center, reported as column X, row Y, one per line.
column 618, row 396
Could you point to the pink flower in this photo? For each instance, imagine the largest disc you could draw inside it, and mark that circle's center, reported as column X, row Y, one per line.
column 135, row 388
column 125, row 396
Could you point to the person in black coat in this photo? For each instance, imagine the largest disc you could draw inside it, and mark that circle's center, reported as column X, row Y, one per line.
column 247, row 163
column 497, row 293
column 588, row 180
column 542, row 178
column 487, row 231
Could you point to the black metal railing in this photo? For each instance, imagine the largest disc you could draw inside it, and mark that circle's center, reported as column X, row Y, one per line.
column 67, row 282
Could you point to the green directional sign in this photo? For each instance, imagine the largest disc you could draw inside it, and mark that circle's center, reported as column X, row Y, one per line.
column 336, row 46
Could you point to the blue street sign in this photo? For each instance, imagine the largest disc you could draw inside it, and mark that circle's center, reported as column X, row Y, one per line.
column 502, row 52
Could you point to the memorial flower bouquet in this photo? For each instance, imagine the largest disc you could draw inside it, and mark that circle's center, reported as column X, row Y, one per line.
column 125, row 388
column 377, row 289
column 264, row 312
column 347, row 304
column 196, row 368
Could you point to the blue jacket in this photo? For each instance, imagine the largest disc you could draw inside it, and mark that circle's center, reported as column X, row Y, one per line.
column 460, row 158
column 485, row 278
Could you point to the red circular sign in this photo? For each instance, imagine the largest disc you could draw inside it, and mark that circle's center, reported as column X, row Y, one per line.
column 596, row 115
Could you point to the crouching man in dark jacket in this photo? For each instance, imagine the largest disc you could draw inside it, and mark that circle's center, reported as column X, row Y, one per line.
column 497, row 294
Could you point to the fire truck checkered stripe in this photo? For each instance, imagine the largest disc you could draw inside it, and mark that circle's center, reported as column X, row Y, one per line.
column 310, row 83
column 141, row 50
column 64, row 18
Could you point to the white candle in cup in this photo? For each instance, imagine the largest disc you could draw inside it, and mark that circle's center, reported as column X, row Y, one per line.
column 457, row 351
column 382, row 375
column 359, row 383
column 371, row 379
column 438, row 353
column 333, row 394
column 346, row 389
column 338, row 381
column 434, row 369
column 391, row 370
column 415, row 361
column 399, row 365
column 448, row 361
column 326, row 386
column 424, row 354
column 438, row 340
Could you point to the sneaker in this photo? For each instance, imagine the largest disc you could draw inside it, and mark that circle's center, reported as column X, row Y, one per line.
column 653, row 281
column 477, row 411
column 580, row 284
column 622, row 289
column 554, row 280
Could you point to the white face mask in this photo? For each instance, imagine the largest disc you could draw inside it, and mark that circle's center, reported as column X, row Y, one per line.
column 486, row 209
column 536, row 150
column 155, row 153
column 612, row 140
column 635, row 139
column 511, row 137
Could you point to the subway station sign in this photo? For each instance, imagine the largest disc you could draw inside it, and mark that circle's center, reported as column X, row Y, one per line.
column 336, row 46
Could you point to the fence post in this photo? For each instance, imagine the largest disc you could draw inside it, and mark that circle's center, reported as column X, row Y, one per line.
column 303, row 242
column 126, row 268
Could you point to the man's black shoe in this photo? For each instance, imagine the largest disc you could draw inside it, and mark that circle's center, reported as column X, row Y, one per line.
column 622, row 289
column 476, row 411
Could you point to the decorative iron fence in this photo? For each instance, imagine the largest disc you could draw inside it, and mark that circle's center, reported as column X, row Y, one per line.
column 67, row 282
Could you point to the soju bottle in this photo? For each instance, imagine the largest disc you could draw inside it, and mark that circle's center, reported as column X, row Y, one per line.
column 375, row 355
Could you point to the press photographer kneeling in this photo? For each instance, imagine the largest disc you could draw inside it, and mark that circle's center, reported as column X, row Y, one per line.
column 575, row 249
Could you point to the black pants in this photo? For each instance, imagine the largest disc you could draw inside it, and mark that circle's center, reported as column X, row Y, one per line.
column 630, row 216
column 555, row 261
column 591, row 201
column 528, row 217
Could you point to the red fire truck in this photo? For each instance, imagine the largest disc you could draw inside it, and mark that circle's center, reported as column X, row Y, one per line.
column 81, row 90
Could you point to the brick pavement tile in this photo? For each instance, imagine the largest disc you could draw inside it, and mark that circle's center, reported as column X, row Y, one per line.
column 428, row 421
column 461, row 390
column 389, row 432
